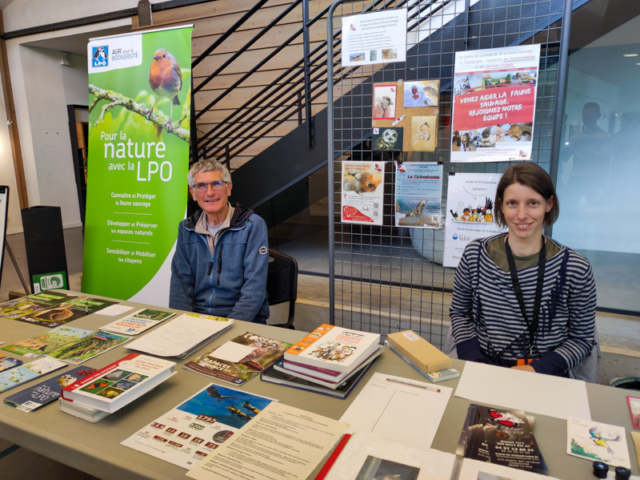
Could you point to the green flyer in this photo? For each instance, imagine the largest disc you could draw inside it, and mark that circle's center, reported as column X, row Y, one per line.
column 139, row 118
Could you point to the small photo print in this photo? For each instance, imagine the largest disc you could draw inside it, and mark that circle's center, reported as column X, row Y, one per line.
column 384, row 101
column 387, row 139
column 110, row 392
column 463, row 141
column 389, row 53
column 116, row 375
column 124, row 384
column 423, row 134
column 97, row 386
column 375, row 468
column 421, row 93
column 137, row 378
column 356, row 57
column 373, row 55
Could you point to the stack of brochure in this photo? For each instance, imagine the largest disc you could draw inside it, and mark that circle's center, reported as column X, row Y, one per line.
column 138, row 322
column 330, row 358
column 182, row 336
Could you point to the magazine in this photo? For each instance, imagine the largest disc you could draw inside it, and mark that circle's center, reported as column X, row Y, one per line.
column 240, row 359
column 32, row 304
column 67, row 311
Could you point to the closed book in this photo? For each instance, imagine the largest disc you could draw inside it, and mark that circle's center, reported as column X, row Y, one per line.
column 333, row 348
column 46, row 392
column 320, row 374
column 421, row 353
column 88, row 414
column 280, row 377
column 116, row 385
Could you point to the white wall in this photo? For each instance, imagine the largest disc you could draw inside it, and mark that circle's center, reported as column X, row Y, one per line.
column 42, row 89
column 7, row 172
column 47, row 106
column 21, row 14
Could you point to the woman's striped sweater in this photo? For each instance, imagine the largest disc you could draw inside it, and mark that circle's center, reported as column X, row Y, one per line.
column 487, row 324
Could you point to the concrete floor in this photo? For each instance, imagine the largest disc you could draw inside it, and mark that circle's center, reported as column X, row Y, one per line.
column 387, row 309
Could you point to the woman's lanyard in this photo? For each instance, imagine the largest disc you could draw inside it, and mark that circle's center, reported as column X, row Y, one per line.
column 533, row 325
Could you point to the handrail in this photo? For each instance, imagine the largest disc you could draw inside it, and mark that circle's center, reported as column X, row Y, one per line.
column 311, row 66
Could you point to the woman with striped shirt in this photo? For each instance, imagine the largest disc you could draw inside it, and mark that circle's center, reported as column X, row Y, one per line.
column 522, row 300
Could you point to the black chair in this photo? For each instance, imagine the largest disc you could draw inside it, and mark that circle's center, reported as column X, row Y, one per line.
column 282, row 283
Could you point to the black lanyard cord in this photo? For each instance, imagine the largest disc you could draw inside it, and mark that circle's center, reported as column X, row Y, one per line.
column 533, row 325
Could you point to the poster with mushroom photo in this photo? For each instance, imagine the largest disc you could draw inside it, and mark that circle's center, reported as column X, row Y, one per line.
column 494, row 102
column 362, row 192
column 414, row 112
column 469, row 214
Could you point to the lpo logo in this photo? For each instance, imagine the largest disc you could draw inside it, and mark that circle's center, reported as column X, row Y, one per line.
column 100, row 56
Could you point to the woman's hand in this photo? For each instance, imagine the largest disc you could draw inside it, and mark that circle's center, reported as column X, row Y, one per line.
column 525, row 368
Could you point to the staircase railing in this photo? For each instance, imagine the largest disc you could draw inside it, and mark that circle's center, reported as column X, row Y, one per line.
column 277, row 102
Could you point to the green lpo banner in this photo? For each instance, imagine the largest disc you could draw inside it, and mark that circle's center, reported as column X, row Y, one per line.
column 138, row 158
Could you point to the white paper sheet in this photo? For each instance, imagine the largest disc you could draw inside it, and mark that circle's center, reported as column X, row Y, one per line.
column 397, row 411
column 475, row 470
column 114, row 310
column 531, row 392
column 178, row 336
column 375, row 457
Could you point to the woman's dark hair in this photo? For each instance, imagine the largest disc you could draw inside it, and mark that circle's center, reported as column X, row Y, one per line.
column 532, row 176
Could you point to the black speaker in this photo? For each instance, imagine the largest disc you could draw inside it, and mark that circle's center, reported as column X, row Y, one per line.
column 44, row 241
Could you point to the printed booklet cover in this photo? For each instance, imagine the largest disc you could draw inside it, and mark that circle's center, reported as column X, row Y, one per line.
column 32, row 304
column 46, row 392
column 43, row 344
column 88, row 347
column 138, row 322
column 119, row 383
column 7, row 362
column 27, row 372
column 192, row 430
column 240, row 359
column 335, row 348
column 66, row 312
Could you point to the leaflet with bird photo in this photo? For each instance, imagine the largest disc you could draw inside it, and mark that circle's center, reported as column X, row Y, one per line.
column 418, row 195
column 597, row 441
column 27, row 372
column 240, row 359
column 192, row 430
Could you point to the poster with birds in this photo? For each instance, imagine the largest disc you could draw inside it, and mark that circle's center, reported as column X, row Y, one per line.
column 138, row 158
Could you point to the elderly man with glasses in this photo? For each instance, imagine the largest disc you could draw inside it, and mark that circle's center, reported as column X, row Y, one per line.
column 222, row 254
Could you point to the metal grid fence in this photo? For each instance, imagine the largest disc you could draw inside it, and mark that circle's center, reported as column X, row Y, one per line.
column 379, row 281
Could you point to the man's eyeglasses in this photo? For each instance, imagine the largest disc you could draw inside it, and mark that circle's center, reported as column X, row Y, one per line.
column 216, row 185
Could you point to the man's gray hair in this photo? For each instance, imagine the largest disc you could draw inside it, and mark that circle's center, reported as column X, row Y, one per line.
column 207, row 165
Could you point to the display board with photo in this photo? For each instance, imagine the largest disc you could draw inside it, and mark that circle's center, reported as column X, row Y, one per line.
column 415, row 112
